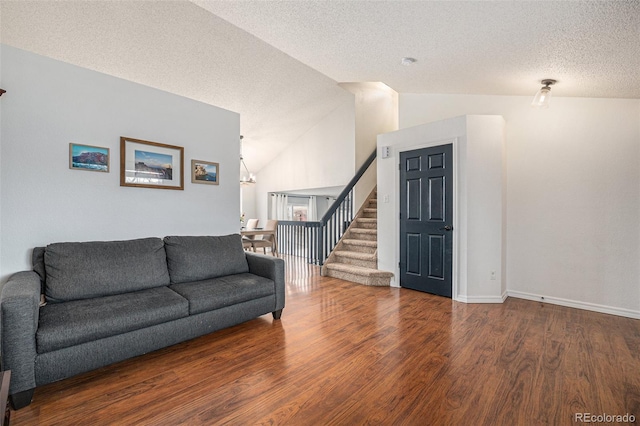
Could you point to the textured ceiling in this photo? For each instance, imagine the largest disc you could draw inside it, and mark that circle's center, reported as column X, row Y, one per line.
column 476, row 47
column 277, row 63
column 181, row 48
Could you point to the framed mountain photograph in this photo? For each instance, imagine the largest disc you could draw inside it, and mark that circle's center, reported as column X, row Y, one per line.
column 146, row 164
column 205, row 172
column 88, row 157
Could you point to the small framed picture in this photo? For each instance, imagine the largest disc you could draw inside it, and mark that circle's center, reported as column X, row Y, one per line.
column 146, row 164
column 87, row 157
column 205, row 172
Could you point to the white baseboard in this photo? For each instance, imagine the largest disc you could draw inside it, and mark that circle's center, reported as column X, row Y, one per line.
column 576, row 304
column 482, row 299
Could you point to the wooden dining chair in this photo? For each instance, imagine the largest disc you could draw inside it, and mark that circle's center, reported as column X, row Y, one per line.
column 268, row 240
column 247, row 243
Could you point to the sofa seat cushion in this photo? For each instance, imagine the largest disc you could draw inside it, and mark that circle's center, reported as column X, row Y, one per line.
column 101, row 268
column 207, row 295
column 192, row 258
column 71, row 323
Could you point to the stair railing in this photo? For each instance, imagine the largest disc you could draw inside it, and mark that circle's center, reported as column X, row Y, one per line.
column 315, row 240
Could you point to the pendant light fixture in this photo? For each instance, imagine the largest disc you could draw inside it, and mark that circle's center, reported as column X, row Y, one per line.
column 541, row 99
column 245, row 178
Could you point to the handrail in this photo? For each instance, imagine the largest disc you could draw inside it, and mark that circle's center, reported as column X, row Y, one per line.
column 315, row 240
column 347, row 189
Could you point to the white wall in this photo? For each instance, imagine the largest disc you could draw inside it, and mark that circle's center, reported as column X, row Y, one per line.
column 43, row 201
column 248, row 202
column 322, row 203
column 484, row 216
column 573, row 199
column 332, row 151
column 376, row 112
column 478, row 145
column 322, row 157
column 1, row 148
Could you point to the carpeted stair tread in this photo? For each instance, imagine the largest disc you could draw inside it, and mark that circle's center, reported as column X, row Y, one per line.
column 358, row 270
column 363, row 230
column 356, row 255
column 366, row 223
column 361, row 243
column 355, row 258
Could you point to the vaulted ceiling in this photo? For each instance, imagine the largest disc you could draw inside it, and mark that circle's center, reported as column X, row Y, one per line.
column 278, row 63
column 474, row 47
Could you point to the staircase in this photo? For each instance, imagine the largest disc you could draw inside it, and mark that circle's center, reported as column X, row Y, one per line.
column 355, row 257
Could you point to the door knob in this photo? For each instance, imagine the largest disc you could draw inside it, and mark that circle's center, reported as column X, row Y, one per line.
column 448, row 228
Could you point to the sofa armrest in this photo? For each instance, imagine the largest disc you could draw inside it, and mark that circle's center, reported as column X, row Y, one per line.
column 269, row 267
column 19, row 306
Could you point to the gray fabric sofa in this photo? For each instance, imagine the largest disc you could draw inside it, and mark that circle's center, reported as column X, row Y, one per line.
column 109, row 301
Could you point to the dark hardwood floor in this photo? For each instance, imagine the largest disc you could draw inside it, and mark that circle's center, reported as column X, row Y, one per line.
column 346, row 354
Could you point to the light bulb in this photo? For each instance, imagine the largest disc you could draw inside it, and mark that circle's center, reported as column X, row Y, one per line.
column 542, row 97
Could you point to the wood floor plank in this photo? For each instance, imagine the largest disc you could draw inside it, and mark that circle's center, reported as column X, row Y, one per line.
column 346, row 354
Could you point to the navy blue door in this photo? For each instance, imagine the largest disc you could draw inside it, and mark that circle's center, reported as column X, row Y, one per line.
column 426, row 219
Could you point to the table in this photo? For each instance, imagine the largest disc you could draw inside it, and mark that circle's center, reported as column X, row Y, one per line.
column 260, row 231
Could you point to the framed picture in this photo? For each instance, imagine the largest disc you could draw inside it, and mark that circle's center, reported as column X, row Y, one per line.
column 87, row 157
column 205, row 172
column 147, row 164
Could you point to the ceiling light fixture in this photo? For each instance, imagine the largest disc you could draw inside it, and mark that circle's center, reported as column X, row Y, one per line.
column 245, row 178
column 541, row 99
column 407, row 61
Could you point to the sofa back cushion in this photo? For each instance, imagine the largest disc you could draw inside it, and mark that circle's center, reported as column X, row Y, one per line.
column 92, row 269
column 203, row 258
column 37, row 260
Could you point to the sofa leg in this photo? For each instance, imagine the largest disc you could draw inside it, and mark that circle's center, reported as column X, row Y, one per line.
column 277, row 314
column 21, row 399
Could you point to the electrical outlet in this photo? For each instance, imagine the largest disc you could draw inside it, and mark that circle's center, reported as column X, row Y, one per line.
column 493, row 275
column 385, row 199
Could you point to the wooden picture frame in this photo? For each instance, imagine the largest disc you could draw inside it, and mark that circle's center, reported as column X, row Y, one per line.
column 205, row 172
column 145, row 164
column 89, row 158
